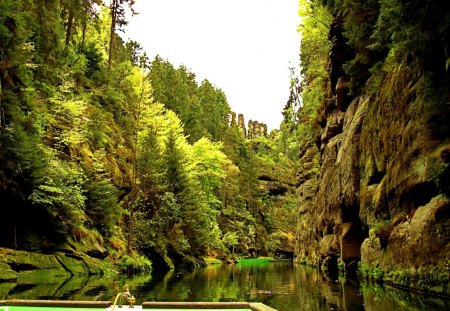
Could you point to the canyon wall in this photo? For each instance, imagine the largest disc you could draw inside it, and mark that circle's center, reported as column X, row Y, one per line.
column 374, row 188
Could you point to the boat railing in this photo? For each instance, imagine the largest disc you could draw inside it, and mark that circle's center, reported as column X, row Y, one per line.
column 106, row 305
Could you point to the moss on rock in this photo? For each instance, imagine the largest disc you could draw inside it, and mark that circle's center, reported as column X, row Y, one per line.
column 6, row 273
column 28, row 267
column 417, row 250
column 71, row 265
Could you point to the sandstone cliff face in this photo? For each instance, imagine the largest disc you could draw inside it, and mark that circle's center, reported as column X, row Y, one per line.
column 404, row 186
column 276, row 230
column 307, row 229
column 381, row 194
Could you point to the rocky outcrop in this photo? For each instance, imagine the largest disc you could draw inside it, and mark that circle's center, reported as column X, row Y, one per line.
column 380, row 194
column 241, row 125
column 404, row 187
column 23, row 266
column 254, row 129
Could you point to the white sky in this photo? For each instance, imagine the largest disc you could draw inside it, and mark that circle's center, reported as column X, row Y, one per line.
column 244, row 47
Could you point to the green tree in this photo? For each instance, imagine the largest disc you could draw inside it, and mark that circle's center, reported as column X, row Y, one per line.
column 215, row 110
column 117, row 22
column 211, row 163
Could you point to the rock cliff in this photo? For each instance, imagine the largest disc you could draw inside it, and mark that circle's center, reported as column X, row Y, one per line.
column 375, row 188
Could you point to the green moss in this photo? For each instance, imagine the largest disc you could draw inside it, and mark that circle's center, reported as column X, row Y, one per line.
column 398, row 276
column 136, row 264
column 429, row 279
column 371, row 272
column 73, row 266
column 97, row 266
column 380, row 226
column 32, row 260
column 6, row 273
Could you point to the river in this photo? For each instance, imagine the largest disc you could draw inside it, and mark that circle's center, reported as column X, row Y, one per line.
column 282, row 285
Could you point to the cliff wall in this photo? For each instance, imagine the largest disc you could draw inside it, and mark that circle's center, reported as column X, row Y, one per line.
column 374, row 190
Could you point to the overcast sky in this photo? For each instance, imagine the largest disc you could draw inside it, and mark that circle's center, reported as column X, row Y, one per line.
column 244, row 47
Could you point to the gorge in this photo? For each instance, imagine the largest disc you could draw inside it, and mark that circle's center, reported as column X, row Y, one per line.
column 114, row 163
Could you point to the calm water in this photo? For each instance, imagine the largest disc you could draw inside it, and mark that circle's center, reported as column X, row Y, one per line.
column 282, row 285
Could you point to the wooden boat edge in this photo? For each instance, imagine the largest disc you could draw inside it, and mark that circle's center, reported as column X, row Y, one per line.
column 152, row 305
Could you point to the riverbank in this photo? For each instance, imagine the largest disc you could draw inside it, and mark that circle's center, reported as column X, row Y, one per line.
column 23, row 266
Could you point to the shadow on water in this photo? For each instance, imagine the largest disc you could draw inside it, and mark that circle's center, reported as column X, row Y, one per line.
column 282, row 285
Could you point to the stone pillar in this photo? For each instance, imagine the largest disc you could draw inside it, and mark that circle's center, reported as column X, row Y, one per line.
column 255, row 129
column 250, row 129
column 241, row 124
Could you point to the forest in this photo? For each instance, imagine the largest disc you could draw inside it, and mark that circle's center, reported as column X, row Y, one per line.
column 128, row 163
column 108, row 154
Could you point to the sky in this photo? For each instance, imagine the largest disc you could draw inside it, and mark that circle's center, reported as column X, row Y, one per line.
column 244, row 47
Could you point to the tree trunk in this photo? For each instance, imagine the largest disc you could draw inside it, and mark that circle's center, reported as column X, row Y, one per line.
column 113, row 28
column 130, row 224
column 69, row 24
column 85, row 18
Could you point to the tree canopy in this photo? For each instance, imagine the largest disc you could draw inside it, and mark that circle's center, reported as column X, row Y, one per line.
column 100, row 146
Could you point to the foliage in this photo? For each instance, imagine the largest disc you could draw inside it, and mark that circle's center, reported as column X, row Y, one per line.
column 202, row 109
column 210, row 166
column 61, row 191
column 391, row 31
column 101, row 204
column 99, row 146
column 230, row 240
column 118, row 21
column 299, row 126
column 371, row 272
column 132, row 265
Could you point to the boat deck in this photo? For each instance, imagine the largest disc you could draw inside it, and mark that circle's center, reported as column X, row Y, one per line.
column 57, row 305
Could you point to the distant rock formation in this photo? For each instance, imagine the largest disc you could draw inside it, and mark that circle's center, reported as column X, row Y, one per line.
column 241, row 124
column 254, row 129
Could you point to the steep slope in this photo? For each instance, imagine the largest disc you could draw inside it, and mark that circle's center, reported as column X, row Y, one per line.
column 381, row 196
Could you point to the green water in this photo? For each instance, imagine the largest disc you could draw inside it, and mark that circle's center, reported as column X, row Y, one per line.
column 281, row 285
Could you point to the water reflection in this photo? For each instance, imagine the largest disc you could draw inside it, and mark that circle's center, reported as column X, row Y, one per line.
column 281, row 285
